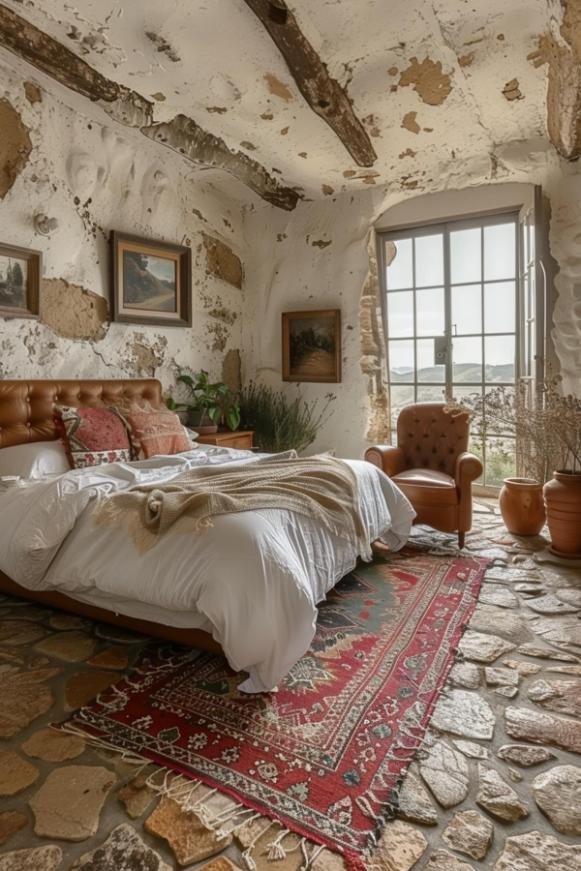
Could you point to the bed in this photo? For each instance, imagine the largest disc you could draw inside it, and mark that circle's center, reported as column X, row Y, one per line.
column 248, row 588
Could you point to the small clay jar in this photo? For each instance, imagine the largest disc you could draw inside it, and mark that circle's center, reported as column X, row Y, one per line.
column 521, row 505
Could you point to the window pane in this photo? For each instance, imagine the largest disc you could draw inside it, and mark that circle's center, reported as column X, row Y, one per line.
column 400, row 314
column 429, row 261
column 401, row 360
column 500, row 461
column 467, row 359
column 427, row 371
column 399, row 397
column 465, row 255
column 499, row 354
column 399, row 271
column 430, row 312
column 499, row 251
column 431, row 393
column 460, row 392
column 466, row 309
column 499, row 307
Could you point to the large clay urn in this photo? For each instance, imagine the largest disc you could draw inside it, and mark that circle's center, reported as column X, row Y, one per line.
column 521, row 506
column 563, row 503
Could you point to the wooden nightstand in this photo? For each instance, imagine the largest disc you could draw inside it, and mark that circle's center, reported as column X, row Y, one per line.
column 240, row 439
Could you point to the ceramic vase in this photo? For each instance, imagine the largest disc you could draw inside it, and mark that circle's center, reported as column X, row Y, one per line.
column 521, row 506
column 563, row 502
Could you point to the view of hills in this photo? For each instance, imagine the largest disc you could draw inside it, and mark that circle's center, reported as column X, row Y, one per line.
column 463, row 373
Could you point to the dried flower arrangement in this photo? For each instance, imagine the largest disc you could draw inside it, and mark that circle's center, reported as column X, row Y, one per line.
column 546, row 426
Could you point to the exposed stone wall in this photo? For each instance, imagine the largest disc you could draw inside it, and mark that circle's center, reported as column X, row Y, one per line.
column 91, row 179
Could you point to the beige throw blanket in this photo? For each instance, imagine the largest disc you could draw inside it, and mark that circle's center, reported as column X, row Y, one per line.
column 319, row 487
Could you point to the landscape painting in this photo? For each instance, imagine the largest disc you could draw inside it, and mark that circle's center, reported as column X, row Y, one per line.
column 151, row 281
column 311, row 343
column 19, row 282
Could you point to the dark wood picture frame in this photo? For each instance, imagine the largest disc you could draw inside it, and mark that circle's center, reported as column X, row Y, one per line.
column 178, row 299
column 30, row 289
column 323, row 363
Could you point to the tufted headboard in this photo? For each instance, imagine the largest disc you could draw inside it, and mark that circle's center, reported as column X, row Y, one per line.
column 27, row 407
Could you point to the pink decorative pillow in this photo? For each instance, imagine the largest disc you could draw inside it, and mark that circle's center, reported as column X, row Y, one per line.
column 154, row 431
column 92, row 436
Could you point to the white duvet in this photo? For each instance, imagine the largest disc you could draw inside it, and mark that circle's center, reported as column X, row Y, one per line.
column 253, row 579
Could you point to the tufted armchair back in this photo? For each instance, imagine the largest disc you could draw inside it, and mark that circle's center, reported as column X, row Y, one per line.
column 432, row 438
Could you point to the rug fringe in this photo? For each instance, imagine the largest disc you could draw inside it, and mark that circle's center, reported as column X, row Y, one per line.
column 182, row 790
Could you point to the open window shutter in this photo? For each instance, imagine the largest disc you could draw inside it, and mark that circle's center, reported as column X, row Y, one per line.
column 536, row 291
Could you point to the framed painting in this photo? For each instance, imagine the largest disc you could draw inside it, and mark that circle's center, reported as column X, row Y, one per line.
column 311, row 345
column 20, row 270
column 151, row 282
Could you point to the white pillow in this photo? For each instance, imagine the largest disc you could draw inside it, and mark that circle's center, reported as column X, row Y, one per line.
column 34, row 460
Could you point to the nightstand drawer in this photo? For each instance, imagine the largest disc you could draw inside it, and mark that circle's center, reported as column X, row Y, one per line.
column 242, row 440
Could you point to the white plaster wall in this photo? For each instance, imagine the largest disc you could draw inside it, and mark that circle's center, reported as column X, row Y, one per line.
column 289, row 273
column 124, row 182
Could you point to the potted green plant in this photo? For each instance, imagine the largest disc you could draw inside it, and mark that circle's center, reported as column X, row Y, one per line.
column 213, row 403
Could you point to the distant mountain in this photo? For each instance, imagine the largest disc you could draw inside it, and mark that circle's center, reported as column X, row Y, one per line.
column 463, row 373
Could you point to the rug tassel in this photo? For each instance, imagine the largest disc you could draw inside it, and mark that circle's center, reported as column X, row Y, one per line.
column 128, row 756
column 276, row 851
column 248, row 859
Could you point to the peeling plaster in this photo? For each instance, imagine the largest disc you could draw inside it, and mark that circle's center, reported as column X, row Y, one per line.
column 278, row 88
column 409, row 122
column 222, row 262
column 511, row 91
column 33, row 92
column 147, row 355
column 432, row 85
column 232, row 370
column 72, row 311
column 85, row 175
column 15, row 146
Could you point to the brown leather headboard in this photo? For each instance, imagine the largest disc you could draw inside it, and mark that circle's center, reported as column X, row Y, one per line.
column 27, row 407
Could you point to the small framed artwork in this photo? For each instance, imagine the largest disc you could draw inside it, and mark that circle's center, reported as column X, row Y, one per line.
column 20, row 270
column 151, row 282
column 311, row 345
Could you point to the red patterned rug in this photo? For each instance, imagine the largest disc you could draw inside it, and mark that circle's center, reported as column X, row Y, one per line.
column 326, row 754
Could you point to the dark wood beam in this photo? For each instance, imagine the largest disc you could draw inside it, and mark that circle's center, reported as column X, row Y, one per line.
column 129, row 108
column 324, row 94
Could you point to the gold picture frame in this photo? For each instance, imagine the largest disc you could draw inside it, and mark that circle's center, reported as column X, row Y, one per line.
column 151, row 281
column 311, row 345
column 20, row 271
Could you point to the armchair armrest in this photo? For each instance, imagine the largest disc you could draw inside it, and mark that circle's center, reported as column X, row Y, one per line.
column 468, row 468
column 387, row 457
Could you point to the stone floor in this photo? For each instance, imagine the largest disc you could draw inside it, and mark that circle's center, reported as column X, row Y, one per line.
column 497, row 783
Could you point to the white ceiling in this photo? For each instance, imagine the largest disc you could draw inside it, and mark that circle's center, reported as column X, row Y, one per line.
column 225, row 68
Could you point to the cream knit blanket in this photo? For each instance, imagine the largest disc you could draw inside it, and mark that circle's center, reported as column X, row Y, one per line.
column 320, row 487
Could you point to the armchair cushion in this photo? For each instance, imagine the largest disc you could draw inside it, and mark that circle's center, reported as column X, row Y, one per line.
column 425, row 478
column 427, row 487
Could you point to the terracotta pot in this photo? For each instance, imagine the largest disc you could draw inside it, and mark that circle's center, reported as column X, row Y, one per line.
column 563, row 503
column 521, row 506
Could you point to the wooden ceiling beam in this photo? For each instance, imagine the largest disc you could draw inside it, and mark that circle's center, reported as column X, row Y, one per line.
column 323, row 93
column 181, row 134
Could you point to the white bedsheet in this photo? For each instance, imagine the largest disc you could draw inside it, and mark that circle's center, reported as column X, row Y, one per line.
column 253, row 579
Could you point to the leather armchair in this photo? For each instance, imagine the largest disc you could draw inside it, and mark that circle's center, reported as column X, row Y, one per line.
column 431, row 464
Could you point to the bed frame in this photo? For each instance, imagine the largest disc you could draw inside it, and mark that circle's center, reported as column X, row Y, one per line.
column 27, row 415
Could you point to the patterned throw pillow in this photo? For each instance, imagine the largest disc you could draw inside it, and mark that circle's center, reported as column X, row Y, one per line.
column 154, row 431
column 92, row 436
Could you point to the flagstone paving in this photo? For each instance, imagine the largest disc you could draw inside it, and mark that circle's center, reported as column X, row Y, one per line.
column 496, row 784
